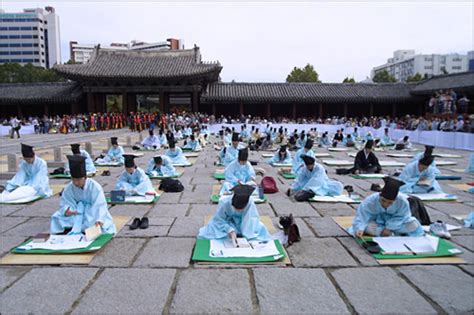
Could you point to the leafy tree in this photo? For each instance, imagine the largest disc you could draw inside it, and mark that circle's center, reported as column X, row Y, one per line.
column 417, row 77
column 306, row 74
column 16, row 73
column 383, row 76
column 349, row 80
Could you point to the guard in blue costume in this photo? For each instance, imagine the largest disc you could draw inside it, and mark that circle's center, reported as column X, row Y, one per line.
column 161, row 165
column 420, row 177
column 236, row 216
column 33, row 173
column 238, row 172
column 307, row 150
column 151, row 142
column 282, row 156
column 134, row 180
column 312, row 180
column 193, row 144
column 428, row 151
column 176, row 154
column 82, row 203
column 115, row 153
column 386, row 140
column 232, row 151
column 90, row 167
column 385, row 214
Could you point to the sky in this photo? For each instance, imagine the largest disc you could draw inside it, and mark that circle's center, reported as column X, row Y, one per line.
column 263, row 41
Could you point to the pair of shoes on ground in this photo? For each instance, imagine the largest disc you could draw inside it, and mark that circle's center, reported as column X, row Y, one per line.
column 139, row 223
column 106, row 173
column 440, row 229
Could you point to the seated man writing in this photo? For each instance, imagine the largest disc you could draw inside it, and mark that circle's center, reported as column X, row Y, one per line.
column 282, row 156
column 239, row 172
column 192, row 144
column 386, row 140
column 236, row 216
column 428, row 151
column 151, row 142
column 348, row 141
column 82, row 203
column 420, row 177
column 133, row 180
column 175, row 154
column 403, row 143
column 230, row 153
column 312, row 180
column 306, row 150
column 365, row 161
column 162, row 166
column 90, row 167
column 386, row 214
column 30, row 180
column 114, row 155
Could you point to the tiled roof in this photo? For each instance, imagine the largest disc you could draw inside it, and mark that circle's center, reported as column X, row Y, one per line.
column 34, row 93
column 141, row 65
column 459, row 81
column 306, row 92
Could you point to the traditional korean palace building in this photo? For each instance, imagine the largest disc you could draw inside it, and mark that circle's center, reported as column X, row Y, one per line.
column 181, row 78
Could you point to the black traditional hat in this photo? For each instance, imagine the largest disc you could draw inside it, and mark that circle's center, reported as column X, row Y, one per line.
column 75, row 148
column 369, row 144
column 241, row 195
column 129, row 160
column 113, row 140
column 427, row 160
column 308, row 160
column 27, row 151
column 391, row 188
column 158, row 159
column 77, row 166
column 235, row 136
column 309, row 144
column 243, row 154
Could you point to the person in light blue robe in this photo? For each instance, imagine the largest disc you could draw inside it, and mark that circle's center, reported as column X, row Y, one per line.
column 386, row 140
column 187, row 131
column 90, row 167
column 232, row 151
column 385, row 214
column 428, row 151
column 236, row 216
column 348, row 141
column 227, row 138
column 193, row 144
column 133, row 180
column 306, row 150
column 32, row 172
column 301, row 141
column 417, row 171
column 162, row 138
column 313, row 178
column 470, row 167
column 238, row 172
column 161, row 165
column 244, row 133
column 355, row 134
column 115, row 153
column 176, row 154
column 151, row 142
column 324, row 140
column 82, row 204
column 369, row 136
column 282, row 156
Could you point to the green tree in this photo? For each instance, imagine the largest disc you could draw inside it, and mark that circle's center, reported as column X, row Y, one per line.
column 306, row 74
column 16, row 73
column 383, row 76
column 417, row 77
column 349, row 80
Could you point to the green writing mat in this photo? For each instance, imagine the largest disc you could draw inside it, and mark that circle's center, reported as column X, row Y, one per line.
column 219, row 176
column 288, row 175
column 448, row 177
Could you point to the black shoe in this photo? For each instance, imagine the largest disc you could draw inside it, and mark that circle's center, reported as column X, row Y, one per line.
column 135, row 224
column 144, row 223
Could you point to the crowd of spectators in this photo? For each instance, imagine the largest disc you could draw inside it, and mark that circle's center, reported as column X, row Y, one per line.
column 448, row 102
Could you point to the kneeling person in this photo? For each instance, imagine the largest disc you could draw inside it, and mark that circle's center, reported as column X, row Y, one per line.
column 386, row 213
column 82, row 203
column 133, row 180
column 236, row 216
column 161, row 165
column 90, row 168
column 365, row 161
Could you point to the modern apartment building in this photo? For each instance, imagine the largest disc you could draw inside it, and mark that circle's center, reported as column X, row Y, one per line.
column 31, row 36
column 406, row 63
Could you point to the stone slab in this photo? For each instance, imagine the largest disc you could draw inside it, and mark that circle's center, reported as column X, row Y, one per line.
column 186, row 227
column 466, row 241
column 285, row 206
column 9, row 222
column 364, row 257
column 46, row 290
column 165, row 210
column 120, row 252
column 333, row 210
column 128, row 291
column 380, row 290
column 202, row 210
column 151, row 231
column 313, row 294
column 316, row 252
column 30, row 227
column 448, row 286
column 10, row 274
column 170, row 197
column 326, row 227
column 8, row 242
column 130, row 210
column 166, row 252
column 191, row 297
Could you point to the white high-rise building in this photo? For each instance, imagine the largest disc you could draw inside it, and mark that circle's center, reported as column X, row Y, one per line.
column 406, row 63
column 81, row 53
column 32, row 36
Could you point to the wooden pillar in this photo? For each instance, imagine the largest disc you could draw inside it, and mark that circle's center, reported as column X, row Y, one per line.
column 125, row 100
column 195, row 101
column 162, row 101
column 19, row 111
column 293, row 111
column 321, row 111
column 268, row 111
column 371, row 110
column 90, row 102
column 394, row 110
column 345, row 110
column 131, row 102
column 46, row 109
column 166, row 102
column 241, row 108
column 214, row 109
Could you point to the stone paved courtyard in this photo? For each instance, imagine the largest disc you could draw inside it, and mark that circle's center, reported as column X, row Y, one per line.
column 150, row 271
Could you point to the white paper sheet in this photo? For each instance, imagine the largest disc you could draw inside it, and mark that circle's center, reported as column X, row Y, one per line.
column 59, row 242
column 406, row 245
column 338, row 149
column 337, row 162
column 450, row 227
column 260, row 249
column 352, row 154
column 140, row 199
column 340, row 198
column 440, row 196
column 282, row 164
column 321, row 154
column 444, row 163
column 400, row 155
column 387, row 163
column 371, row 175
column 447, row 155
